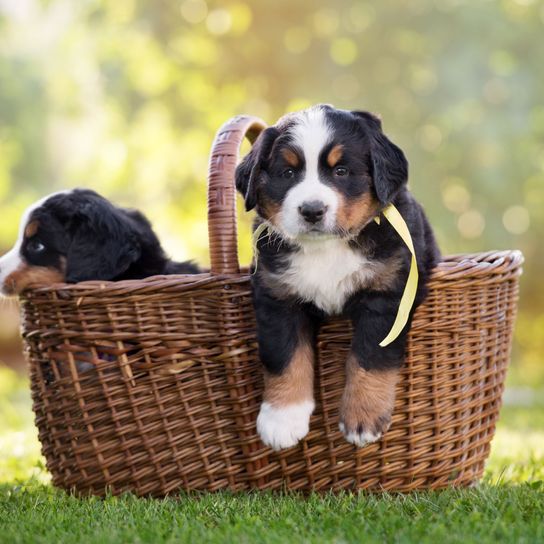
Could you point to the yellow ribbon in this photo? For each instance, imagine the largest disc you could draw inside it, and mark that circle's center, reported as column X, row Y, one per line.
column 408, row 296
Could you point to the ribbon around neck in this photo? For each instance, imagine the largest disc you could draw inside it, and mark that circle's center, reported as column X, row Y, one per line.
column 410, row 289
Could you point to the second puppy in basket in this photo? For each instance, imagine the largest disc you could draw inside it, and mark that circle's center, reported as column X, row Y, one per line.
column 78, row 235
column 318, row 179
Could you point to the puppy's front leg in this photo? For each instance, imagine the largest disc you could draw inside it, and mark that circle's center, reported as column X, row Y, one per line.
column 372, row 373
column 286, row 350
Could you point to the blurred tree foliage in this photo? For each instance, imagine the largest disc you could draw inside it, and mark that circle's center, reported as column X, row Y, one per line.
column 125, row 97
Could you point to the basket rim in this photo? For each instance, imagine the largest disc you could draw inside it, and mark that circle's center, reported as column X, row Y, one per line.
column 452, row 267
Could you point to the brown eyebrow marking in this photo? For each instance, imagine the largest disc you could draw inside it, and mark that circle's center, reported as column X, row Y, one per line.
column 291, row 158
column 32, row 228
column 335, row 154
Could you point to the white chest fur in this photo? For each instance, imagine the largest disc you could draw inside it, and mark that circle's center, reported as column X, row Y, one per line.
column 326, row 273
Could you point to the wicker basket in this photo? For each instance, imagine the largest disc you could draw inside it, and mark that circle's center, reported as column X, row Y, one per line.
column 154, row 386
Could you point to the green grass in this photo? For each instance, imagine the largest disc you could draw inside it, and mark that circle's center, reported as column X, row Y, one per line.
column 486, row 514
column 507, row 507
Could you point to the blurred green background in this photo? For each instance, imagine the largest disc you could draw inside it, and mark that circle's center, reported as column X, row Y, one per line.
column 125, row 97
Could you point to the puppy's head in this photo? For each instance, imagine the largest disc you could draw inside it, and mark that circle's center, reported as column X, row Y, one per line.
column 321, row 171
column 70, row 236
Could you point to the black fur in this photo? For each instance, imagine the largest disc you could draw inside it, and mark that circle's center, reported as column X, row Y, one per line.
column 249, row 171
column 98, row 240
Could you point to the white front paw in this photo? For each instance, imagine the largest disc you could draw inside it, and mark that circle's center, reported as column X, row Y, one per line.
column 283, row 427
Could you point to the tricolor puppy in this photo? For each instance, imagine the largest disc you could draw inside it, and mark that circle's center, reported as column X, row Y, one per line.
column 78, row 235
column 318, row 178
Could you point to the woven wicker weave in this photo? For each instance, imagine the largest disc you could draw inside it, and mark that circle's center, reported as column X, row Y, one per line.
column 154, row 386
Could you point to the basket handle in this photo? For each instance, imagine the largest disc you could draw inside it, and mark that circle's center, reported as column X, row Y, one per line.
column 222, row 229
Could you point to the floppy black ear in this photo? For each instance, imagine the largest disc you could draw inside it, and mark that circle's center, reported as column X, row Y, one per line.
column 249, row 170
column 104, row 240
column 389, row 164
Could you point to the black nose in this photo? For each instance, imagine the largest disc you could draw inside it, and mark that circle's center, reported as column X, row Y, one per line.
column 313, row 212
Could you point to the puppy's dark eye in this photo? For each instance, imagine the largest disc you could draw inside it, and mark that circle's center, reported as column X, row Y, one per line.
column 35, row 246
column 288, row 174
column 341, row 171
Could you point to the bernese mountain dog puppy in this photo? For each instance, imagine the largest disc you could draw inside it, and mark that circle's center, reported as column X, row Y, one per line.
column 318, row 179
column 78, row 235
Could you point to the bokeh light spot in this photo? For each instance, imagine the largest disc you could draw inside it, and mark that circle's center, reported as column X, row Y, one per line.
column 194, row 11
column 219, row 21
column 343, row 51
column 455, row 196
column 471, row 224
column 516, row 219
column 241, row 18
column 325, row 22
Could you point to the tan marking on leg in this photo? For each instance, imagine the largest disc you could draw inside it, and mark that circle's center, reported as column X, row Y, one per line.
column 32, row 228
column 290, row 157
column 296, row 382
column 354, row 213
column 368, row 399
column 28, row 276
column 335, row 154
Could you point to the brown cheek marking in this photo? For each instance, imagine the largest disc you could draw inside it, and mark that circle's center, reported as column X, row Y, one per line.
column 32, row 229
column 290, row 157
column 296, row 383
column 369, row 398
column 335, row 154
column 354, row 213
column 27, row 276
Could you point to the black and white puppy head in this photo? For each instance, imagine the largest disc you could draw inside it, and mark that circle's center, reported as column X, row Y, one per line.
column 70, row 236
column 321, row 172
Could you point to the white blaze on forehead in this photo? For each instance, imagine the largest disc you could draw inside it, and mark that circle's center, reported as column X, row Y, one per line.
column 13, row 259
column 311, row 133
